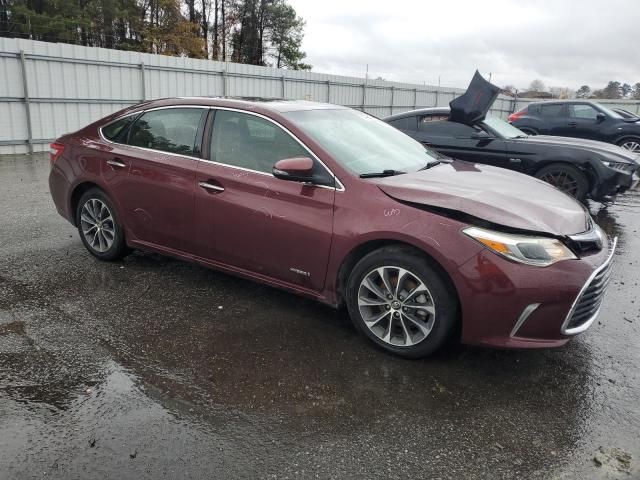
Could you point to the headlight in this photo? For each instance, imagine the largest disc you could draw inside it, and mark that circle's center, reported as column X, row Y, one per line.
column 620, row 166
column 539, row 251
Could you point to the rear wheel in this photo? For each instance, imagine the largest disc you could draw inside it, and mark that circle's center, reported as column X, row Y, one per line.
column 566, row 178
column 401, row 302
column 630, row 143
column 98, row 225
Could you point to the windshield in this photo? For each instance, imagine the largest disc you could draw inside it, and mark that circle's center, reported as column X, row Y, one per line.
column 362, row 143
column 609, row 112
column 502, row 128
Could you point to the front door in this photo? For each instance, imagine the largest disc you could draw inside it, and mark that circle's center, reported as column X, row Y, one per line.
column 248, row 219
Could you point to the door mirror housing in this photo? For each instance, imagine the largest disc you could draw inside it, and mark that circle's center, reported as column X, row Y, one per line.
column 600, row 117
column 297, row 169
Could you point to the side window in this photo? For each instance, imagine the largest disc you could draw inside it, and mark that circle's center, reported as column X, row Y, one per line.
column 583, row 111
column 405, row 123
column 247, row 141
column 171, row 130
column 445, row 128
column 113, row 132
column 551, row 110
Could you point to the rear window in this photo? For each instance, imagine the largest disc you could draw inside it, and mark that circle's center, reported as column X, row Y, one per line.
column 171, row 130
column 551, row 110
column 406, row 123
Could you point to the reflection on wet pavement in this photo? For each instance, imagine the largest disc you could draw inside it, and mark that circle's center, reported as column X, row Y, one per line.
column 153, row 367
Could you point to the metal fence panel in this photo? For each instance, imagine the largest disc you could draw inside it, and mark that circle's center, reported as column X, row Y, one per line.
column 47, row 89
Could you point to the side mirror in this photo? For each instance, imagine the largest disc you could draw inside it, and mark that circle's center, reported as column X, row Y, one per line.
column 480, row 135
column 298, row 169
column 600, row 117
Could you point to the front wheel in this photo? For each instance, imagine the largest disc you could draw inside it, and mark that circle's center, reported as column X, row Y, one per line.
column 98, row 225
column 566, row 178
column 630, row 143
column 398, row 300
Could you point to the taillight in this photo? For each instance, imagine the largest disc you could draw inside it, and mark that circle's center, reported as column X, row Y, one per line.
column 55, row 150
column 515, row 116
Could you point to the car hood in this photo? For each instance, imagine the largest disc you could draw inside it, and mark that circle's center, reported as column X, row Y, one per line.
column 472, row 106
column 608, row 149
column 492, row 194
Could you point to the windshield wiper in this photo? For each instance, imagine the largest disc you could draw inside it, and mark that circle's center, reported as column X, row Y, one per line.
column 436, row 162
column 384, row 173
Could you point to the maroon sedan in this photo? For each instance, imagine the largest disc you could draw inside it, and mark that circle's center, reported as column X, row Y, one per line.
column 335, row 205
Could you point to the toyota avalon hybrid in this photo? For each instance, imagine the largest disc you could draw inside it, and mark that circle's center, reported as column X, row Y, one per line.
column 338, row 206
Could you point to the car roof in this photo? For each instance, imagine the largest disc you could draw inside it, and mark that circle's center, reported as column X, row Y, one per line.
column 245, row 103
column 419, row 111
column 562, row 102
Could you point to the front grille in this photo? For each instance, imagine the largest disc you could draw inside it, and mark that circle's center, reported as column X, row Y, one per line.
column 590, row 298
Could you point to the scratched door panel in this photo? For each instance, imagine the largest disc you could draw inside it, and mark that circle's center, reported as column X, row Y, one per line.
column 265, row 225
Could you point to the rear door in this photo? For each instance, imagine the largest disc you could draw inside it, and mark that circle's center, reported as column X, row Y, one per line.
column 248, row 219
column 159, row 155
column 460, row 141
column 553, row 118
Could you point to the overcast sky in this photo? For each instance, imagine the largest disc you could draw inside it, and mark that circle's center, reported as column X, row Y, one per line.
column 565, row 43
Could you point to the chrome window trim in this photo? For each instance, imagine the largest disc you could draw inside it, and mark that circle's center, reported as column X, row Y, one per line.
column 142, row 112
column 339, row 186
column 584, row 326
column 528, row 310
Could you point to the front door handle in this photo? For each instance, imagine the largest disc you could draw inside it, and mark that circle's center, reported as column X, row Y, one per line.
column 210, row 186
column 116, row 163
column 573, row 124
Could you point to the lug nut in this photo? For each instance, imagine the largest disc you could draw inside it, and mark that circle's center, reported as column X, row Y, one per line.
column 405, row 309
column 396, row 314
column 401, row 297
column 389, row 296
column 388, row 307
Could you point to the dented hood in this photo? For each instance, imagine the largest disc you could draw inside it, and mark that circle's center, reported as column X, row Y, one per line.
column 472, row 106
column 493, row 194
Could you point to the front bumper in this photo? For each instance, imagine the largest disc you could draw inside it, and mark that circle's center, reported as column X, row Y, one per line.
column 507, row 304
column 612, row 182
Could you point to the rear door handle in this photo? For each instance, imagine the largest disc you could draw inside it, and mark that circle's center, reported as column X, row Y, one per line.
column 116, row 163
column 573, row 124
column 211, row 186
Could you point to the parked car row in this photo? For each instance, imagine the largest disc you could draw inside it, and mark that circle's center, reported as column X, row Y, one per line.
column 335, row 205
column 581, row 168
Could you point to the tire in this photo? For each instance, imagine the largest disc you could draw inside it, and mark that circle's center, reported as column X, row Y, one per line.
column 415, row 331
column 630, row 143
column 99, row 227
column 528, row 131
column 565, row 177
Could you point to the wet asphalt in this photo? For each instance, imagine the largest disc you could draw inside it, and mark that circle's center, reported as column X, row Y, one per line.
column 155, row 368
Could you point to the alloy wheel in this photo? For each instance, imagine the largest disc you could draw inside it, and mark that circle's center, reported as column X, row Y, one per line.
column 561, row 180
column 97, row 225
column 631, row 145
column 396, row 306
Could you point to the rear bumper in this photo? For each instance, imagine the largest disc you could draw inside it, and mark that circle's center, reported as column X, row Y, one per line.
column 60, row 189
column 506, row 304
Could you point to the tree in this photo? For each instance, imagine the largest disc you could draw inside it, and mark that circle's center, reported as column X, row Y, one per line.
column 537, row 86
column 635, row 94
column 286, row 30
column 626, row 90
column 583, row 92
column 613, row 90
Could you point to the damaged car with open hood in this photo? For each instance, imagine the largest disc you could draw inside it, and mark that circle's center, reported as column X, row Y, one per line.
column 582, row 168
column 335, row 205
